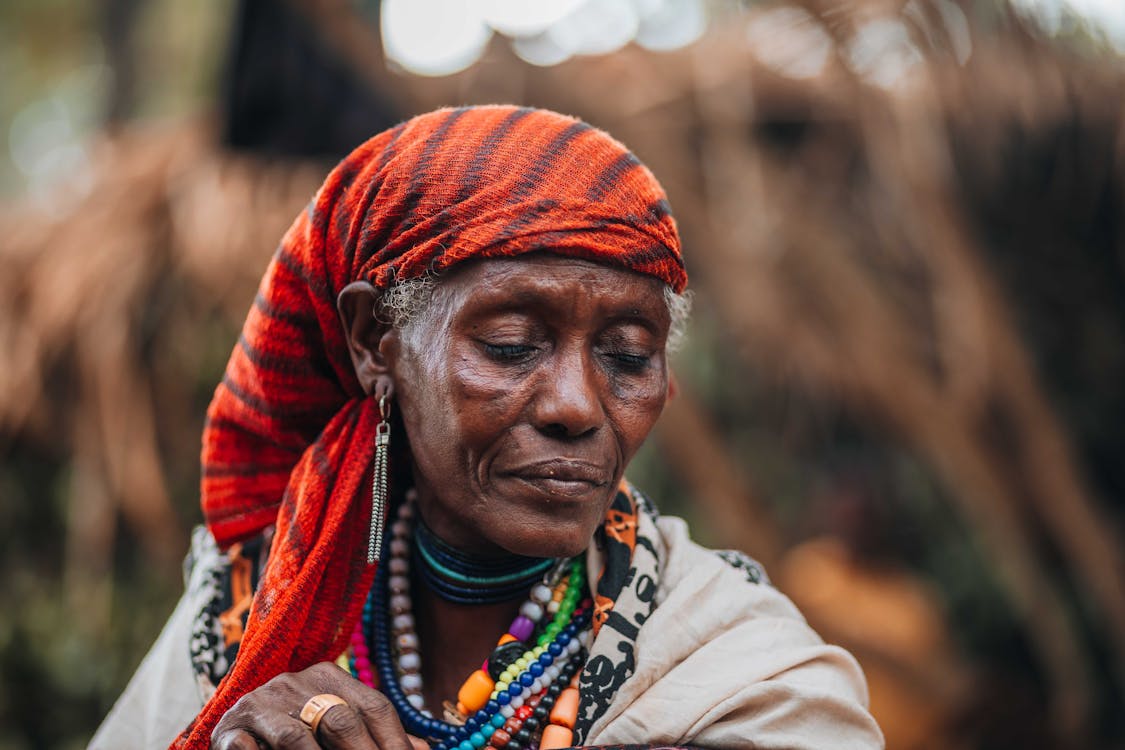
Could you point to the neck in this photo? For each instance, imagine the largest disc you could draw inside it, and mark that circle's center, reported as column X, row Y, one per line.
column 466, row 578
column 454, row 638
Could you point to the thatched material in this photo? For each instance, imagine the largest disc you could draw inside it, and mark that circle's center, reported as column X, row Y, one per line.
column 849, row 237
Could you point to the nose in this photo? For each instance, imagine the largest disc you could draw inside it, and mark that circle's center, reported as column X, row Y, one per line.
column 567, row 402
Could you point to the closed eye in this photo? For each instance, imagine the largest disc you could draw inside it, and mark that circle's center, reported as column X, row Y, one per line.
column 509, row 352
column 630, row 362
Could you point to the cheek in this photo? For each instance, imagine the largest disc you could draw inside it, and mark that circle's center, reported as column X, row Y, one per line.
column 464, row 407
column 635, row 411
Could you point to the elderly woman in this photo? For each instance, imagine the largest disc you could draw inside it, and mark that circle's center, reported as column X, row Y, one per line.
column 414, row 470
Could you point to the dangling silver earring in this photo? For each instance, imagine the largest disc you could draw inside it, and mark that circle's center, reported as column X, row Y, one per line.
column 379, row 480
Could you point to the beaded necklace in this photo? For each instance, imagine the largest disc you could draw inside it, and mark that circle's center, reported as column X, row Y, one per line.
column 524, row 696
column 463, row 579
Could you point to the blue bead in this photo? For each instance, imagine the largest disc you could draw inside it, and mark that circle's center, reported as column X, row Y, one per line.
column 546, row 658
column 526, row 679
column 564, row 638
column 492, row 706
column 535, row 669
column 515, row 689
column 461, row 734
column 466, row 745
column 503, row 698
column 472, row 724
column 477, row 739
column 554, row 649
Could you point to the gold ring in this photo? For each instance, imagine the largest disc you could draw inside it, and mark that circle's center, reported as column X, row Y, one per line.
column 317, row 706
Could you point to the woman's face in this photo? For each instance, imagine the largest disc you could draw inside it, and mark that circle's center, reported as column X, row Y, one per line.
column 525, row 391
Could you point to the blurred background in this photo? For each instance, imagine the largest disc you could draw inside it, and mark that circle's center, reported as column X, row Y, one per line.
column 903, row 390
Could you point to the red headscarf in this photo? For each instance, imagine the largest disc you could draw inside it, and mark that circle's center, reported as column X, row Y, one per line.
column 290, row 436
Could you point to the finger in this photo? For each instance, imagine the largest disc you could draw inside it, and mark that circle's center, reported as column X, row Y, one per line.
column 288, row 734
column 418, row 743
column 372, row 707
column 233, row 739
column 382, row 721
column 251, row 718
column 341, row 728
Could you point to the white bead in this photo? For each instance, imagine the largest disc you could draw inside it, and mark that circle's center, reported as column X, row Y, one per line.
column 552, row 607
column 532, row 611
column 407, row 510
column 541, row 593
column 407, row 641
column 400, row 603
column 411, row 682
column 402, row 623
column 399, row 566
column 410, row 662
column 517, row 701
column 399, row 584
column 416, row 700
column 551, row 673
column 574, row 646
column 507, row 711
column 536, row 686
column 401, row 529
column 399, row 547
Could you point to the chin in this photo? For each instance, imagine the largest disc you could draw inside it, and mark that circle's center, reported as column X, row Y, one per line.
column 557, row 541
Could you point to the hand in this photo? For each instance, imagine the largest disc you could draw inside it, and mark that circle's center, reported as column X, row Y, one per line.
column 269, row 716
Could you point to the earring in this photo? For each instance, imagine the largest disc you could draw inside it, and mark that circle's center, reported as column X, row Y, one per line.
column 379, row 480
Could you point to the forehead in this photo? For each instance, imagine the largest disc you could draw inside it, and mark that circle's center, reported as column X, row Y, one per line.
column 552, row 281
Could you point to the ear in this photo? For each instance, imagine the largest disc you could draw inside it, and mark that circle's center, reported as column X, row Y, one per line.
column 368, row 337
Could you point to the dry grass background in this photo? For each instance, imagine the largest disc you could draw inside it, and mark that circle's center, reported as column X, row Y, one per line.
column 848, row 243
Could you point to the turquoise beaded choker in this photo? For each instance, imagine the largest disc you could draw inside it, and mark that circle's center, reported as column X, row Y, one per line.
column 465, row 579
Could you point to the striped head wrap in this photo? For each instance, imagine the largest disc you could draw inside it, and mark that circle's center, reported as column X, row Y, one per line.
column 289, row 438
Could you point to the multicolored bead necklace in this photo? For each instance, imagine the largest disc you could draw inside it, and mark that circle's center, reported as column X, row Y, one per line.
column 525, row 694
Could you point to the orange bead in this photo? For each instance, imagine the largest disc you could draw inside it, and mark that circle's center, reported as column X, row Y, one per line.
column 565, row 711
column 555, row 737
column 474, row 693
column 506, row 638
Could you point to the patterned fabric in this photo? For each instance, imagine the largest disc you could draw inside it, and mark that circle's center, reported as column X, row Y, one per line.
column 623, row 600
column 290, row 437
column 225, row 587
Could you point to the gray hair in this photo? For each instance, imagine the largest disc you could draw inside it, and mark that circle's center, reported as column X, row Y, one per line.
column 407, row 302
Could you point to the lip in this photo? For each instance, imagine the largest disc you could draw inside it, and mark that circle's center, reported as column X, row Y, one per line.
column 562, row 477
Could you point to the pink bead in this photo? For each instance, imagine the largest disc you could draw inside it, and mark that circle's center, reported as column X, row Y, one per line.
column 522, row 628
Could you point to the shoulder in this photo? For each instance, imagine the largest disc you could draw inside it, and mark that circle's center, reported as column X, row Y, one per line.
column 736, row 660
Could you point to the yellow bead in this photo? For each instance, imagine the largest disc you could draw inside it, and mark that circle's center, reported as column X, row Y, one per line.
column 521, row 663
column 474, row 693
column 555, row 737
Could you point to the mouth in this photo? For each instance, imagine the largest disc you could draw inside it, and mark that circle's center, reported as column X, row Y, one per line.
column 563, row 478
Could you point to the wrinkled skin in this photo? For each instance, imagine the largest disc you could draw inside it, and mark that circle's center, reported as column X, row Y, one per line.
column 524, row 391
